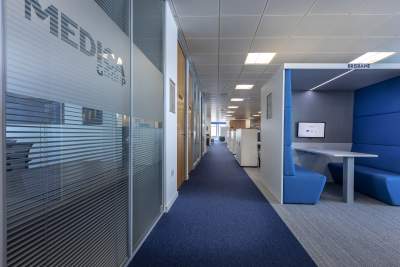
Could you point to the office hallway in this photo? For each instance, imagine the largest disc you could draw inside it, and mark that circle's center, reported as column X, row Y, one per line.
column 221, row 219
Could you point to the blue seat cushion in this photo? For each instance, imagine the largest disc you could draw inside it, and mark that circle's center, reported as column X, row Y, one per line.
column 380, row 184
column 305, row 187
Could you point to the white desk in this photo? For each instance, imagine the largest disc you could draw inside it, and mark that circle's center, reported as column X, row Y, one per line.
column 348, row 167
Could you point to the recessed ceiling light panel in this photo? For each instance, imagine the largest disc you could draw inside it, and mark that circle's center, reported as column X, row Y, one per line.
column 259, row 58
column 372, row 57
column 233, row 107
column 236, row 99
column 244, row 86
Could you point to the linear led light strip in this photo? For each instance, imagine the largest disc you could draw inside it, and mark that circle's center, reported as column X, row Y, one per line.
column 331, row 80
column 367, row 58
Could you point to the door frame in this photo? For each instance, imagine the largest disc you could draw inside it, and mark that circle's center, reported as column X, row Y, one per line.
column 3, row 211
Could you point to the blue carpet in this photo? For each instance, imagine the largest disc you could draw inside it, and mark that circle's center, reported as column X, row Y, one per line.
column 221, row 219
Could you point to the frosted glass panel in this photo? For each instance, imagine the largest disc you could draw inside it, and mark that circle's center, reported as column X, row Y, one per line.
column 147, row 117
column 67, row 132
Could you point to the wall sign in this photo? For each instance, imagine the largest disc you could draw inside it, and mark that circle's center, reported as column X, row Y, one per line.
column 108, row 63
column 358, row 66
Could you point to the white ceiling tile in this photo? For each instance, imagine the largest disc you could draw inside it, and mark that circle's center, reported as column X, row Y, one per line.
column 277, row 25
column 196, row 7
column 269, row 44
column 254, row 68
column 240, row 7
column 288, row 7
column 229, row 46
column 288, row 58
column 368, row 44
column 200, row 27
column 206, row 46
column 231, row 68
column 329, row 58
column 340, row 25
column 339, row 45
column 381, row 6
column 204, row 58
column 302, row 45
column 389, row 44
column 337, row 6
column 266, row 77
column 239, row 26
column 228, row 59
column 229, row 75
column 388, row 28
column 227, row 82
column 206, row 69
column 271, row 68
column 250, row 75
column 322, row 45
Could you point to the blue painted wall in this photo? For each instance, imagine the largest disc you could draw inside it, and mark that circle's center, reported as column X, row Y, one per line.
column 376, row 124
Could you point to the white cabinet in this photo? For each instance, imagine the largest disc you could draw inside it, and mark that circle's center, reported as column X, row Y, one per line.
column 233, row 141
column 246, row 147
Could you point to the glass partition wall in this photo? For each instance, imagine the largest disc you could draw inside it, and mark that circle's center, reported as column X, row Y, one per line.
column 147, row 115
column 84, row 129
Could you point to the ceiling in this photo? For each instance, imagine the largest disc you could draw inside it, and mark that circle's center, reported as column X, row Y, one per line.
column 220, row 33
column 305, row 79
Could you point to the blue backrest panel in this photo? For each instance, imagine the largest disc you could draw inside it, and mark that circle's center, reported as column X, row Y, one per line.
column 288, row 164
column 376, row 126
column 388, row 160
column 379, row 98
column 382, row 129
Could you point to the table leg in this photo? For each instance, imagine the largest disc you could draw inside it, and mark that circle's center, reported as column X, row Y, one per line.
column 348, row 180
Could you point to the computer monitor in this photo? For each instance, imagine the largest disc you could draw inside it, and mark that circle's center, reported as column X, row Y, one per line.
column 311, row 129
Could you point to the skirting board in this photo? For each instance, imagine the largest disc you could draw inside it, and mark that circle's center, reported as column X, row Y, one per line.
column 169, row 205
column 196, row 162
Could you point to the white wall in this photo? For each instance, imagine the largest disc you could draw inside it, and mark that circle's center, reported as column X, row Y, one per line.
column 170, row 144
column 272, row 136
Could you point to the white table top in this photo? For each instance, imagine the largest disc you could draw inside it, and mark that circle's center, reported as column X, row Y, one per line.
column 336, row 153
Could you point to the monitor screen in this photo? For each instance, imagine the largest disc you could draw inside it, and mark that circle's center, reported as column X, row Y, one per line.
column 311, row 129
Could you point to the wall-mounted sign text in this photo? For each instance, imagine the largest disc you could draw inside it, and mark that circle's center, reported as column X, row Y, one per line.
column 358, row 66
column 108, row 63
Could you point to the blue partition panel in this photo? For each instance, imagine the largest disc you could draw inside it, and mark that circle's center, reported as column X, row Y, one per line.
column 288, row 164
column 300, row 186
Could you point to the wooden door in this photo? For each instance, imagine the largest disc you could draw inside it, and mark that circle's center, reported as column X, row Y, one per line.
column 181, row 159
column 237, row 124
column 190, row 123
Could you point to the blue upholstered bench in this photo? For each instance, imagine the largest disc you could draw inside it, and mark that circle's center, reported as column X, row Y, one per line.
column 376, row 177
column 304, row 187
